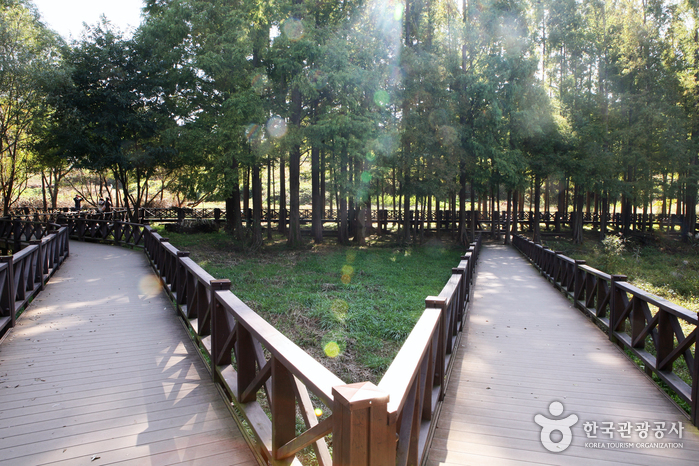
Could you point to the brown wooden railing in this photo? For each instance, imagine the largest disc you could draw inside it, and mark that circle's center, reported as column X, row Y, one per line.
column 446, row 218
column 109, row 231
column 653, row 329
column 269, row 379
column 24, row 274
column 286, row 399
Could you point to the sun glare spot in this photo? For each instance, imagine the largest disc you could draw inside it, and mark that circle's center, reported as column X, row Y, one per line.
column 398, row 12
column 276, row 127
column 149, row 286
column 339, row 309
column 252, row 132
column 381, row 98
column 260, row 83
column 293, row 29
column 332, row 349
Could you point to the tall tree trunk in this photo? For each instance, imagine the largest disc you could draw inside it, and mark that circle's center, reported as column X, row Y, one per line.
column 515, row 213
column 463, row 237
column 342, row 237
column 603, row 216
column 282, row 196
column 246, row 197
column 406, row 207
column 316, row 199
column 234, row 222
column 295, row 172
column 508, row 220
column 578, row 215
column 474, row 214
column 537, row 210
column 270, row 168
column 256, row 206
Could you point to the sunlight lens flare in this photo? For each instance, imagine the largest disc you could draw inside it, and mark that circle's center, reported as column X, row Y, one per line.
column 293, row 29
column 339, row 308
column 347, row 272
column 253, row 133
column 260, row 83
column 381, row 98
column 318, row 79
column 332, row 349
column 276, row 127
column 398, row 12
column 149, row 286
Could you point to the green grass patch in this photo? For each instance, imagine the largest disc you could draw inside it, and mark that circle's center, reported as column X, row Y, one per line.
column 349, row 307
column 666, row 267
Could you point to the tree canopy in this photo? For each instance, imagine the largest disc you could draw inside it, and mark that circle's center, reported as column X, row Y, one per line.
column 425, row 104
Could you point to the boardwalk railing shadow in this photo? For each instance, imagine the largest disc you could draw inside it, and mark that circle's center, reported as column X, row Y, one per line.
column 648, row 326
column 270, row 382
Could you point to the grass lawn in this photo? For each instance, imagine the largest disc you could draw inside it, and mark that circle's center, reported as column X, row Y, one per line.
column 349, row 307
column 663, row 266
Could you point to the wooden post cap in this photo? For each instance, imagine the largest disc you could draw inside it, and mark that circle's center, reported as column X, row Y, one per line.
column 435, row 302
column 221, row 284
column 359, row 395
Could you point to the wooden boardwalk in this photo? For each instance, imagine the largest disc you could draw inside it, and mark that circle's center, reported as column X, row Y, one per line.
column 100, row 371
column 525, row 347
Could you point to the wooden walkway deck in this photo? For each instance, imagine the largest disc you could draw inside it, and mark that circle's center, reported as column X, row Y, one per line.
column 526, row 347
column 100, row 371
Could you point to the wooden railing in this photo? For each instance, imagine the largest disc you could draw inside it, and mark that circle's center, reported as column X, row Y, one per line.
column 269, row 379
column 416, row 381
column 109, row 231
column 653, row 329
column 24, row 274
column 287, row 400
column 446, row 218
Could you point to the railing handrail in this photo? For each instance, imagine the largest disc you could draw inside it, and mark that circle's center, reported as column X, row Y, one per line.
column 660, row 302
column 611, row 301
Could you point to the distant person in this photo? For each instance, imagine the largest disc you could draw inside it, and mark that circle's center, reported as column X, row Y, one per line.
column 100, row 205
column 77, row 199
column 107, row 205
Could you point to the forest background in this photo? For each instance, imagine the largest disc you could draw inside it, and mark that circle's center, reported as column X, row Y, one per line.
column 415, row 104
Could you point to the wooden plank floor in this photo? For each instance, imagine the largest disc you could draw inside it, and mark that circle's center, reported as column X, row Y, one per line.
column 100, row 371
column 525, row 347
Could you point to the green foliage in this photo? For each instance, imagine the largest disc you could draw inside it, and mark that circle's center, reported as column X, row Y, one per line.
column 28, row 65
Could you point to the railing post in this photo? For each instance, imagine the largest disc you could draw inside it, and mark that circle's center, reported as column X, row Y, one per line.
column 8, row 297
column 217, row 339
column 17, row 234
column 444, row 343
column 616, row 305
column 283, row 407
column 473, row 259
column 695, row 383
column 160, row 258
column 362, row 434
column 181, row 279
column 39, row 267
column 578, row 281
